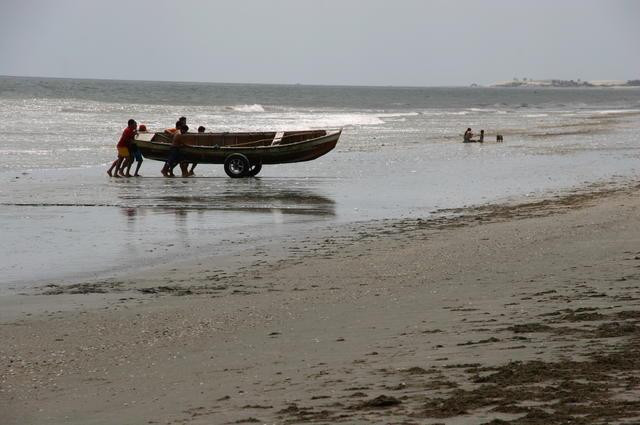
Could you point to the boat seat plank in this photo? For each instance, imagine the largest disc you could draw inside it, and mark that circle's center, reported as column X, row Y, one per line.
column 278, row 139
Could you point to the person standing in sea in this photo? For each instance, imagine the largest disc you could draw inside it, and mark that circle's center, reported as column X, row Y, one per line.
column 123, row 148
column 467, row 138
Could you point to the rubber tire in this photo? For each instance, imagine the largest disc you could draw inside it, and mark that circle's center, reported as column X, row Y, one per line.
column 236, row 166
column 254, row 169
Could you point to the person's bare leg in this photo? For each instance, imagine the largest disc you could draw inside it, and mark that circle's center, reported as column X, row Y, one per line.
column 191, row 173
column 129, row 164
column 113, row 165
column 184, row 169
column 139, row 163
column 116, row 165
column 167, row 170
column 125, row 168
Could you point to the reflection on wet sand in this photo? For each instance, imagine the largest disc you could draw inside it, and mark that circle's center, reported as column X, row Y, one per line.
column 130, row 212
column 275, row 196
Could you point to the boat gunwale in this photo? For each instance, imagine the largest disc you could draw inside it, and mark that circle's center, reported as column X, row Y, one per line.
column 336, row 132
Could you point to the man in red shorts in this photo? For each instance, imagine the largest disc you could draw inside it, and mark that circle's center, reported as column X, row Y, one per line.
column 123, row 148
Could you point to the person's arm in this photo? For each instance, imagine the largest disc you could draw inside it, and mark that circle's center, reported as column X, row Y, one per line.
column 132, row 140
column 131, row 134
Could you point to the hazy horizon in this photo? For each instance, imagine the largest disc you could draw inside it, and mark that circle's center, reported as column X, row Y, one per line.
column 352, row 43
column 279, row 84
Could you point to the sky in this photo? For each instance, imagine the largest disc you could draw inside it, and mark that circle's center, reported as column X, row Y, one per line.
column 331, row 42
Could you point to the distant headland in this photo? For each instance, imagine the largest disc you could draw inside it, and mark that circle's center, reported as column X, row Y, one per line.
column 527, row 82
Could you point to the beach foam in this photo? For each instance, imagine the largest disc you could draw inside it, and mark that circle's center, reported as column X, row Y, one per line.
column 247, row 108
column 618, row 111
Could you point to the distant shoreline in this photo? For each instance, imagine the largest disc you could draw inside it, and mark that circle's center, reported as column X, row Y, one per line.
column 554, row 83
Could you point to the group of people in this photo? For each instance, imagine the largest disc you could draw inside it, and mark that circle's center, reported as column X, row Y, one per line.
column 128, row 152
column 468, row 137
column 174, row 153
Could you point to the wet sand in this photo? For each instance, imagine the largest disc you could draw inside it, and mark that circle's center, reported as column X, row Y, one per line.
column 502, row 314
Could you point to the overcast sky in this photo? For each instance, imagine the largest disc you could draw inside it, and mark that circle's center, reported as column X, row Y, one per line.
column 355, row 42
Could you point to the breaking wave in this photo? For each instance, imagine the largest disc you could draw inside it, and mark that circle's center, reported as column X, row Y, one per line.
column 618, row 111
column 246, row 108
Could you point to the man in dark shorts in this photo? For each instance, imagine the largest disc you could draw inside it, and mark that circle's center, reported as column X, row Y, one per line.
column 174, row 152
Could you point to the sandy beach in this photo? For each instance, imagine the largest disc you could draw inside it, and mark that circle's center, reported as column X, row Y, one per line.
column 504, row 314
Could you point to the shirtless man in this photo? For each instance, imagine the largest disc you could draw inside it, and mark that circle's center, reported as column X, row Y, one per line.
column 174, row 153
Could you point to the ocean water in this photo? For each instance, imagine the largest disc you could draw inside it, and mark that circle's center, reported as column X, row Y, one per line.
column 400, row 155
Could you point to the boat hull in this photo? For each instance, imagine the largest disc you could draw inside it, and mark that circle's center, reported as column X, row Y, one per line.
column 305, row 150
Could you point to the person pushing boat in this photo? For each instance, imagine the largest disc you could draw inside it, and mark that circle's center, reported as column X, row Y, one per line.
column 134, row 154
column 174, row 153
column 123, row 145
column 190, row 172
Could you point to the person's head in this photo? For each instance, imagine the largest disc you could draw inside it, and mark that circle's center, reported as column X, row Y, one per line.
column 468, row 129
column 201, row 129
column 132, row 124
column 184, row 128
column 142, row 127
column 178, row 124
column 183, row 120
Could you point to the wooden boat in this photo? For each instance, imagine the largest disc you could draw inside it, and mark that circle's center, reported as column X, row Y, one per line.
column 242, row 154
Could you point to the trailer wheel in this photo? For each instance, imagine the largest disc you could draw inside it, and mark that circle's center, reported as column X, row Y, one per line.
column 255, row 168
column 236, row 165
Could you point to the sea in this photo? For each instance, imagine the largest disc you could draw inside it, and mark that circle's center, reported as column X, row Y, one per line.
column 401, row 155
